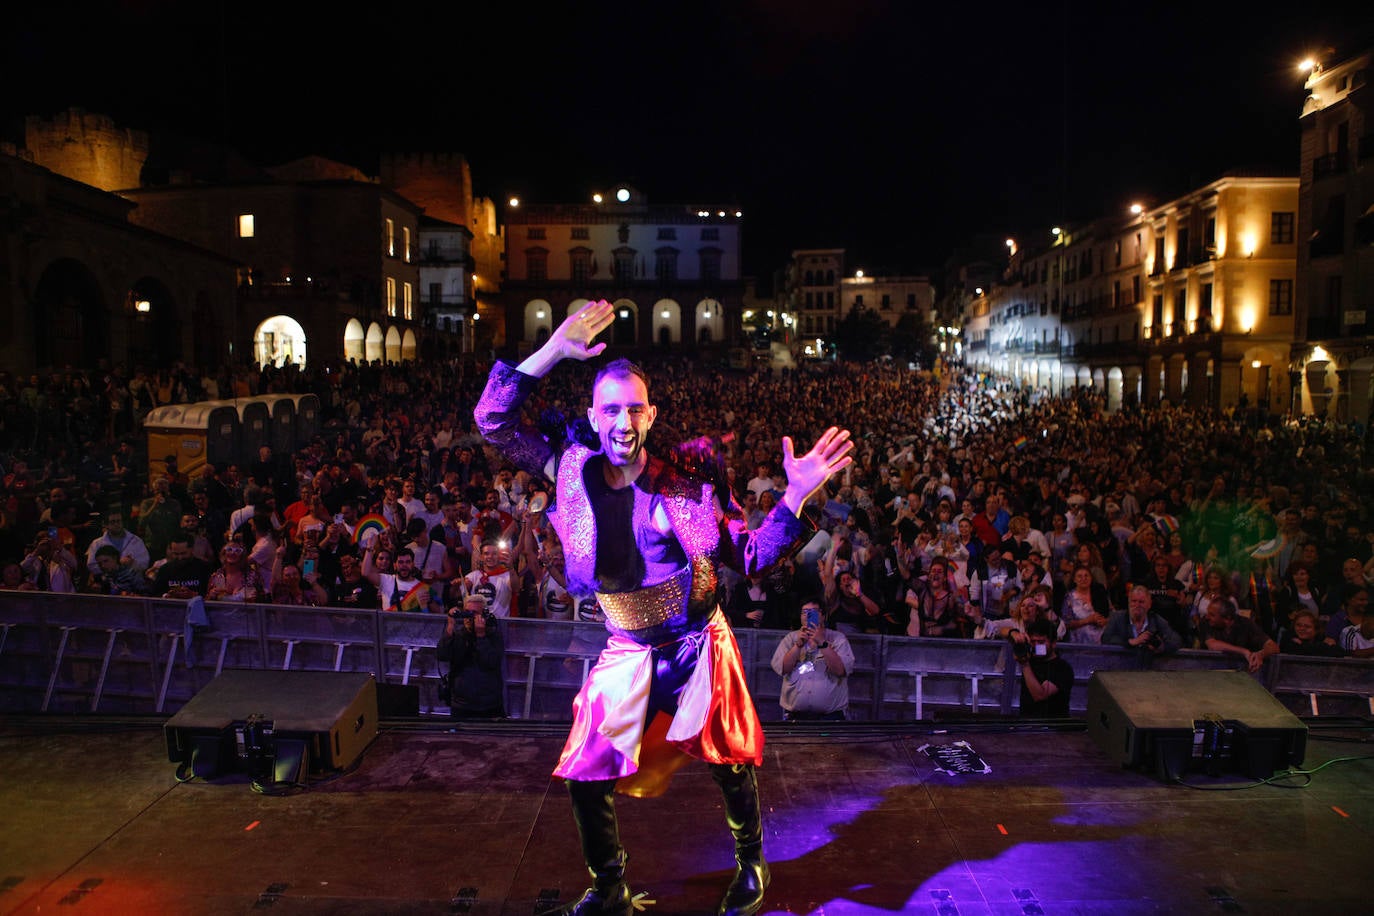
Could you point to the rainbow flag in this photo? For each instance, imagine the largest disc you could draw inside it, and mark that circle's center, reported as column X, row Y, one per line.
column 370, row 522
column 414, row 601
column 1020, row 442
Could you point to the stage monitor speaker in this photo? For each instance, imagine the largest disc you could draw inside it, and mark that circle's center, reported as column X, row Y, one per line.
column 276, row 725
column 1176, row 721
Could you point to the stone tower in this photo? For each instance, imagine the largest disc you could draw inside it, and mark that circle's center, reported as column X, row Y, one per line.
column 88, row 148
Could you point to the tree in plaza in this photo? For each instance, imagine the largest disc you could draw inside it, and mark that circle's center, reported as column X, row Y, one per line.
column 913, row 340
column 862, row 335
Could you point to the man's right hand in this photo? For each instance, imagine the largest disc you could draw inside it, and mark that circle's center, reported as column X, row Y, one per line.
column 573, row 339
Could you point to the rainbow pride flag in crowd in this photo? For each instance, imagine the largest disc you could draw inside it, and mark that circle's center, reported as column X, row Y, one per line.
column 415, row 600
column 371, row 522
column 1020, row 442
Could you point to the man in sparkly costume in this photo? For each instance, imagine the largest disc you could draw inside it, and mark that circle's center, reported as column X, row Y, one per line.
column 645, row 536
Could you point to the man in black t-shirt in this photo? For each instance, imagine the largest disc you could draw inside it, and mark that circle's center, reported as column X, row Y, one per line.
column 352, row 590
column 1046, row 679
column 184, row 575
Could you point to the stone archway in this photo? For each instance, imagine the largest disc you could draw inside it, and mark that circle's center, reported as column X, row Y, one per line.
column 625, row 331
column 667, row 322
column 279, row 341
column 70, row 318
column 354, row 341
column 374, row 345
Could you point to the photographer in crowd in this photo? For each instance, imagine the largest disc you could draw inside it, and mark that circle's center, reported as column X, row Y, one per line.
column 1046, row 679
column 814, row 664
column 1139, row 627
column 474, row 650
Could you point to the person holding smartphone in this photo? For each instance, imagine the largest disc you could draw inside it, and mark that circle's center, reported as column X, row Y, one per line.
column 814, row 664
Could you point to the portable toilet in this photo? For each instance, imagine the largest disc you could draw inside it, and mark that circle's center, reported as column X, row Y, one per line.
column 206, row 432
column 282, row 408
column 307, row 418
column 255, row 427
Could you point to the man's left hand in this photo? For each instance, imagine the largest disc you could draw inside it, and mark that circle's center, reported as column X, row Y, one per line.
column 806, row 474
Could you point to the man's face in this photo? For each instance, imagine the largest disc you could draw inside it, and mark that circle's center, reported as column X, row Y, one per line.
column 178, row 550
column 114, row 524
column 431, row 502
column 107, row 563
column 408, row 489
column 1216, row 616
column 1139, row 603
column 405, row 564
column 1352, row 571
column 491, row 556
column 1355, row 605
column 349, row 568
column 621, row 415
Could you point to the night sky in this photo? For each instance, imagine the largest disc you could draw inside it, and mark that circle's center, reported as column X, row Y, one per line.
column 899, row 130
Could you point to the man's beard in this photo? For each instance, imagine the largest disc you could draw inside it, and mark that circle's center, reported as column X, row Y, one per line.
column 622, row 449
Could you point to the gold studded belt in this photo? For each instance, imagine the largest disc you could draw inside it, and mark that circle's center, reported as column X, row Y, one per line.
column 657, row 604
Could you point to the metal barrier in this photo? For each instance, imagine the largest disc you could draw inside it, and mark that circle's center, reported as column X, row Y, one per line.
column 91, row 653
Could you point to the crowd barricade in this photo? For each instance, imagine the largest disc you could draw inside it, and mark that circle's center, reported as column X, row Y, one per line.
column 957, row 674
column 91, row 653
column 1314, row 686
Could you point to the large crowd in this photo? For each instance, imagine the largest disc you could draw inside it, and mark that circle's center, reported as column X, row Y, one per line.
column 973, row 506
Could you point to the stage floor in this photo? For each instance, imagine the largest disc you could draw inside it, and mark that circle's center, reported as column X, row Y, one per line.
column 859, row 820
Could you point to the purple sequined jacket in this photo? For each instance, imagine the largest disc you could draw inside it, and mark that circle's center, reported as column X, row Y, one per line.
column 706, row 536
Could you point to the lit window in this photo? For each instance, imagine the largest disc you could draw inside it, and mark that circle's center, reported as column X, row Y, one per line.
column 245, row 225
column 390, row 295
column 406, row 300
column 391, row 240
column 405, row 243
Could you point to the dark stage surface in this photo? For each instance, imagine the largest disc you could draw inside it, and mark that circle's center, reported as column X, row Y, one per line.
column 858, row 821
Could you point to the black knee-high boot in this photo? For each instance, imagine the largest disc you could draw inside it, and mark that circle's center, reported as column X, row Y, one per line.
column 738, row 784
column 594, row 811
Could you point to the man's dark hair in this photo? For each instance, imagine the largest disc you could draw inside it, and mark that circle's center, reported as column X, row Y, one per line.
column 1046, row 628
column 621, row 368
column 107, row 550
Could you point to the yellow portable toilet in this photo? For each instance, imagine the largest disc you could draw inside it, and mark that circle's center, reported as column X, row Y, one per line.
column 205, row 432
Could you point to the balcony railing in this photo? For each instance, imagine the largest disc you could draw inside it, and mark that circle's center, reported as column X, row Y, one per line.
column 454, row 301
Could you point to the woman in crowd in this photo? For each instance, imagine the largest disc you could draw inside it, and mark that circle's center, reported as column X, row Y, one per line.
column 1086, row 607
column 1298, row 593
column 1061, row 541
column 1306, row 637
column 235, row 579
column 1168, row 596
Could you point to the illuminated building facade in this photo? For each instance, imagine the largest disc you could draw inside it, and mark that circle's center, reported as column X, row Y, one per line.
column 672, row 271
column 1332, row 358
column 1188, row 302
